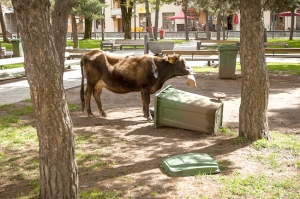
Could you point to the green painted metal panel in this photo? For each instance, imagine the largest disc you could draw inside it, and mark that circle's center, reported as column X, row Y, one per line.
column 180, row 109
column 190, row 164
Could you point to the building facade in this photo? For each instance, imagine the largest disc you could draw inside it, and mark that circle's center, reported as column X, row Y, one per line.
column 113, row 20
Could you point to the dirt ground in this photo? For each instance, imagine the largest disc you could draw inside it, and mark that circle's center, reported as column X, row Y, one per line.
column 137, row 149
column 130, row 150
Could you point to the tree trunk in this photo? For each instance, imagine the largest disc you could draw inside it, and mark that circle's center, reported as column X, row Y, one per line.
column 60, row 28
column 74, row 32
column 207, row 25
column 58, row 168
column 88, row 28
column 148, row 15
column 126, row 10
column 253, row 120
column 3, row 27
column 224, row 25
column 219, row 26
column 157, row 3
column 185, row 20
column 292, row 25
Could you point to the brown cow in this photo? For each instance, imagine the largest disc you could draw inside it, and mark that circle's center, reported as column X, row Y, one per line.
column 119, row 74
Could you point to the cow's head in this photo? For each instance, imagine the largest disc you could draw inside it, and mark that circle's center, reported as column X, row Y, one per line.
column 180, row 65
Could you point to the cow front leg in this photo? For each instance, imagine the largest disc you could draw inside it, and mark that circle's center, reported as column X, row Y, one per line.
column 88, row 94
column 97, row 94
column 146, row 104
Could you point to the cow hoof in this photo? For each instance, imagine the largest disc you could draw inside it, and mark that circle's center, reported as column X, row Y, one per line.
column 103, row 114
column 150, row 119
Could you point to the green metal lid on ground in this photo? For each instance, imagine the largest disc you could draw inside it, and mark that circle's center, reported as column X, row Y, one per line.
column 190, row 164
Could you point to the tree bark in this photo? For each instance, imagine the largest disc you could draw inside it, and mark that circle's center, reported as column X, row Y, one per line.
column 253, row 120
column 88, row 28
column 57, row 164
column 126, row 10
column 74, row 32
column 3, row 27
column 60, row 27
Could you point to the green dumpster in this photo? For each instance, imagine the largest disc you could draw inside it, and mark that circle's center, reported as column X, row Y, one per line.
column 180, row 109
column 17, row 48
column 227, row 61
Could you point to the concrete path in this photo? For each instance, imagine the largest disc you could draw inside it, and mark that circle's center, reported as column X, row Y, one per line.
column 19, row 90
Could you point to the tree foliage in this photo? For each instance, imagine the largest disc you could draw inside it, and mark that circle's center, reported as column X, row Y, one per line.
column 89, row 9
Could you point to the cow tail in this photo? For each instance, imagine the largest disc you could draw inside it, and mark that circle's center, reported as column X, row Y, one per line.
column 82, row 87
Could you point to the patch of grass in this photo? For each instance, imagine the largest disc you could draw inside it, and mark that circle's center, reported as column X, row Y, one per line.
column 15, row 113
column 154, row 193
column 95, row 194
column 280, row 142
column 259, row 186
column 27, row 100
column 91, row 161
column 3, row 106
column 225, row 131
column 239, row 140
column 35, row 188
column 281, row 146
column 86, row 43
column 11, row 66
column 295, row 43
column 204, row 69
column 289, row 68
column 73, row 107
column 270, row 159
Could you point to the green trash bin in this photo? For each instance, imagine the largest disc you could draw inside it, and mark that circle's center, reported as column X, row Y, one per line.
column 17, row 48
column 180, row 109
column 227, row 61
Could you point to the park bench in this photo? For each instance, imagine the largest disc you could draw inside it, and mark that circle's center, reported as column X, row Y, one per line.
column 119, row 43
column 9, row 35
column 20, row 60
column 209, row 43
column 195, row 55
column 283, row 52
column 73, row 53
column 280, row 44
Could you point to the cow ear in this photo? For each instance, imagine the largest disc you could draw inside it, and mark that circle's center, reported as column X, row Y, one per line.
column 171, row 60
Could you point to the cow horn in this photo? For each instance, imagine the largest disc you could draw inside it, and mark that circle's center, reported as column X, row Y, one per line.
column 180, row 54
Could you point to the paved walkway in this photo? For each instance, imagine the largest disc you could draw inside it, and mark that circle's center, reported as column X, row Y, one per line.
column 19, row 90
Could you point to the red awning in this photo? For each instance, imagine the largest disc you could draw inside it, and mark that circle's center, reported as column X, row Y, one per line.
column 287, row 14
column 179, row 16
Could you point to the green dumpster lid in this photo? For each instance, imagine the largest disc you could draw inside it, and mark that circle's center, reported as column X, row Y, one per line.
column 190, row 164
column 228, row 47
column 15, row 40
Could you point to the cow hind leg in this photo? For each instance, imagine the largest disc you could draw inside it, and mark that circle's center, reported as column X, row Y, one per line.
column 146, row 104
column 88, row 94
column 97, row 94
column 144, row 107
